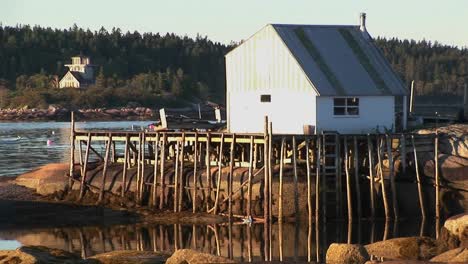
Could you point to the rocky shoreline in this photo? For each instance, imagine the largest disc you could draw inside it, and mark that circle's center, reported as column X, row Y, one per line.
column 62, row 114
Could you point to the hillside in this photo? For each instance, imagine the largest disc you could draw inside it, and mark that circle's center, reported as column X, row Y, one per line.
column 151, row 69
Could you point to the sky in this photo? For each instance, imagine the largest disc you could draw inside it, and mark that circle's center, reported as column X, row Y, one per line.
column 445, row 21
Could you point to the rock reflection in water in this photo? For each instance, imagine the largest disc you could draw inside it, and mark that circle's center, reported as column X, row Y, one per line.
column 298, row 243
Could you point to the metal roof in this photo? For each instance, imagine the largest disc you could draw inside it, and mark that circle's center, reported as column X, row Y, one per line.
column 340, row 60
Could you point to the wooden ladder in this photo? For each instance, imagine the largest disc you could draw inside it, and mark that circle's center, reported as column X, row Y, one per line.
column 331, row 175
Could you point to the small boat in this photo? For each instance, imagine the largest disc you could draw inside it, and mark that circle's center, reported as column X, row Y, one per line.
column 10, row 140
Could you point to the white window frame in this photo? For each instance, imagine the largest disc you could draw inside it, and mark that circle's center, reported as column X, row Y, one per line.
column 346, row 107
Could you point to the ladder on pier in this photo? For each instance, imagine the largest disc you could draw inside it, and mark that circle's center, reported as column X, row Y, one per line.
column 332, row 195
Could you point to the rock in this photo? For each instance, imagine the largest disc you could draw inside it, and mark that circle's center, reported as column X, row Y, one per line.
column 406, row 248
column 38, row 255
column 130, row 257
column 47, row 179
column 346, row 254
column 453, row 139
column 457, row 228
column 452, row 168
column 454, row 255
column 188, row 256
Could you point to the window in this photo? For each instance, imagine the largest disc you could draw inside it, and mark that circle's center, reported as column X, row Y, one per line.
column 346, row 106
column 265, row 98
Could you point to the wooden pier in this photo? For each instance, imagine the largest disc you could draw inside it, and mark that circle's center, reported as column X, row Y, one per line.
column 322, row 176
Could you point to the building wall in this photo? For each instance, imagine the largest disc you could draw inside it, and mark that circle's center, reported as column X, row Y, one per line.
column 263, row 65
column 374, row 112
column 69, row 81
column 288, row 111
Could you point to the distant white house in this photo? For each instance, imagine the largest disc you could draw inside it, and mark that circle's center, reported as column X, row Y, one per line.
column 331, row 78
column 80, row 73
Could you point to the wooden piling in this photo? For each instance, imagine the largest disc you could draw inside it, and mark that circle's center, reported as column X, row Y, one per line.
column 208, row 172
column 280, row 191
column 138, row 163
column 296, row 194
column 155, row 171
column 265, row 183
column 125, row 166
column 249, row 190
column 104, row 170
column 220, row 172
column 382, row 180
column 270, row 175
column 392, row 176
column 195, row 163
column 176, row 177
column 162, row 171
column 348, row 181
column 231, row 175
column 309, row 184
column 403, row 152
column 371, row 175
column 142, row 174
column 418, row 180
column 317, row 180
column 181, row 173
column 436, row 175
column 356, row 177
column 72, row 150
column 85, row 167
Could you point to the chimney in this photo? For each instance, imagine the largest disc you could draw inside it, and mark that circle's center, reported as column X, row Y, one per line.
column 362, row 22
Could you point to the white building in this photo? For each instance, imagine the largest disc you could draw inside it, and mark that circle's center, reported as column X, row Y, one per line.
column 333, row 78
column 80, row 73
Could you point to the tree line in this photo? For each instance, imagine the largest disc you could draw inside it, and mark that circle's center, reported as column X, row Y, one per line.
column 149, row 69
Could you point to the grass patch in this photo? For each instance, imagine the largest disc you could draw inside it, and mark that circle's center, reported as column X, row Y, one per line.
column 364, row 60
column 315, row 54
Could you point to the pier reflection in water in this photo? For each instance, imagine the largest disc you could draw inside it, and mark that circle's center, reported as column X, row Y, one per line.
column 289, row 242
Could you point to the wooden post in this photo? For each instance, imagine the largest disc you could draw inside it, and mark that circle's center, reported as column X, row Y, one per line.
column 296, row 197
column 270, row 175
column 356, row 177
column 138, row 162
column 142, row 175
column 382, row 180
column 411, row 104
column 104, row 170
column 208, row 172
column 418, row 180
column 348, row 181
column 436, row 175
column 72, row 150
column 195, row 163
column 317, row 181
column 371, row 175
column 125, row 166
column 309, row 184
column 181, row 174
column 85, row 167
column 220, row 168
column 155, row 172
column 280, row 191
column 392, row 176
column 231, row 176
column 249, row 190
column 163, row 177
column 265, row 184
column 176, row 177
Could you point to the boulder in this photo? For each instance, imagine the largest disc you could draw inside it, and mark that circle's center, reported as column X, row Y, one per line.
column 346, row 254
column 453, row 139
column 46, row 179
column 457, row 229
column 452, row 168
column 130, row 257
column 38, row 255
column 454, row 255
column 188, row 256
column 406, row 248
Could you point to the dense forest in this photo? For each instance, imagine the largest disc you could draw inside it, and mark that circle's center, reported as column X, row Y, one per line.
column 150, row 69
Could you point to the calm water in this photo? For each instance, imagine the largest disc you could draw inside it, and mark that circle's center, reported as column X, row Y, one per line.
column 23, row 145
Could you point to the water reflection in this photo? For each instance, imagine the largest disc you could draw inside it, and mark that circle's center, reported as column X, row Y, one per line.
column 23, row 145
column 288, row 242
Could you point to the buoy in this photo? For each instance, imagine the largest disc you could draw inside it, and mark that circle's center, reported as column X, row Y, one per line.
column 53, row 132
column 49, row 142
